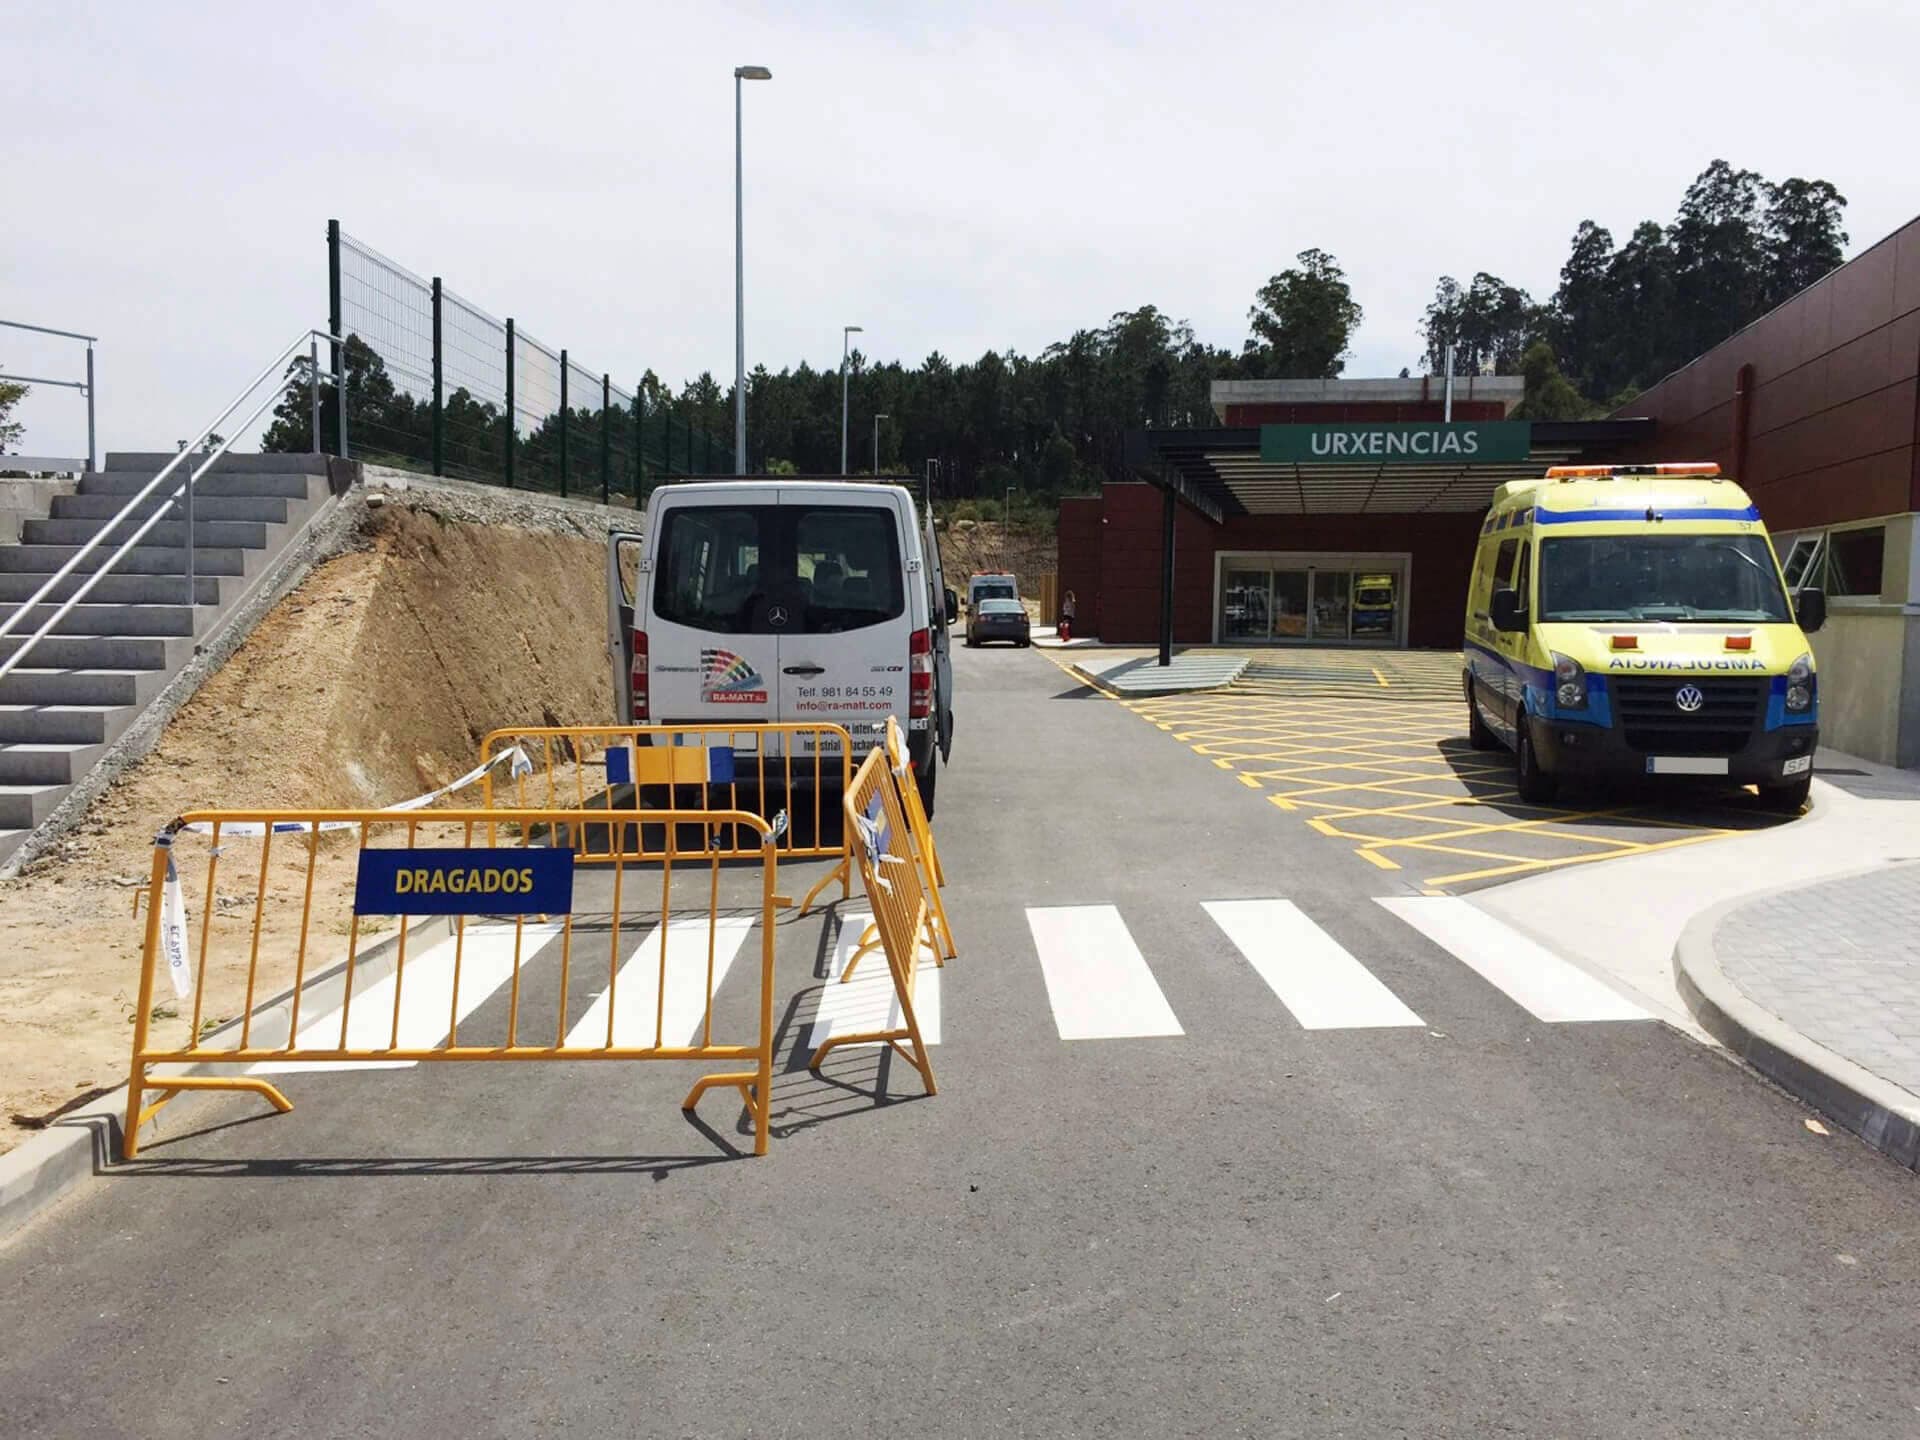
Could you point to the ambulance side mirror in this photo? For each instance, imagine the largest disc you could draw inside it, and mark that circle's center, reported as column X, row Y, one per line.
column 953, row 607
column 1810, row 608
column 1505, row 611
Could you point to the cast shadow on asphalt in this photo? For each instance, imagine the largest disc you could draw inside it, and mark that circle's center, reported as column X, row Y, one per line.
column 802, row 1100
column 1617, row 805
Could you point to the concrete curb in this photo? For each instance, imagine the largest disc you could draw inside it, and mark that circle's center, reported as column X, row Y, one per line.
column 1878, row 1111
column 1118, row 682
column 76, row 1147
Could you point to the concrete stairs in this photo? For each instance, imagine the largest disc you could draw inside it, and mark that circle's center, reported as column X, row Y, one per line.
column 87, row 682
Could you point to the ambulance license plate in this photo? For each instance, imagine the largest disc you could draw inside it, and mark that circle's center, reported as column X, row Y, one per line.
column 1686, row 765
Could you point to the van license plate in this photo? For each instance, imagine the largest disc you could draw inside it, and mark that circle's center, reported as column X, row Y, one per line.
column 1686, row 765
column 1798, row 766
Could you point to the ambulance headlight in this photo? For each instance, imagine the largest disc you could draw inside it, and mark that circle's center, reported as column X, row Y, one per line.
column 1570, row 683
column 1800, row 685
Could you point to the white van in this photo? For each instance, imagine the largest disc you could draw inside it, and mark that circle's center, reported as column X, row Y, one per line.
column 748, row 601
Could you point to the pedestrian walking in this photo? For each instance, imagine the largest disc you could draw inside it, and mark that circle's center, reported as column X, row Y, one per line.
column 1066, row 616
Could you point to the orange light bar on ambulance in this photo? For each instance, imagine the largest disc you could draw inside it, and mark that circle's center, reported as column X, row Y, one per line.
column 1626, row 642
column 1703, row 468
column 1739, row 642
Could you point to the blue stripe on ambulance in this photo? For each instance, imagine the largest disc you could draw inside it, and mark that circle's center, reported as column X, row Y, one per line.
column 1644, row 512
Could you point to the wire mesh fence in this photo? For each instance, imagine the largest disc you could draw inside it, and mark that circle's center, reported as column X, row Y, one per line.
column 390, row 309
column 437, row 384
column 473, row 364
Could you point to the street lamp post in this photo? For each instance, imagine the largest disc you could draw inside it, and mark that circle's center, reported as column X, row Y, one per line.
column 741, row 72
column 876, row 439
column 846, row 331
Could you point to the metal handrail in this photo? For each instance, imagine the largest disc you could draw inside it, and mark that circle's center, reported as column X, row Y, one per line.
column 85, row 387
column 7, row 666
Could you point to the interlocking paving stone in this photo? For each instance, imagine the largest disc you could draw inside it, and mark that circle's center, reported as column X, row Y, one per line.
column 1840, row 963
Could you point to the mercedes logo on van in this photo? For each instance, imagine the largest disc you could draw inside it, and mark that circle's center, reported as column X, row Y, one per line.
column 777, row 616
column 1689, row 699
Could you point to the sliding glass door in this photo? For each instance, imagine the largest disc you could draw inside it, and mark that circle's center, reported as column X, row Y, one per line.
column 1311, row 599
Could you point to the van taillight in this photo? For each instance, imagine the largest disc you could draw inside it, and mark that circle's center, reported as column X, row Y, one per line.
column 920, row 675
column 639, row 678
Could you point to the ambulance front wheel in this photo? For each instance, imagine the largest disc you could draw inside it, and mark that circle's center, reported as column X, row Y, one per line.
column 1479, row 734
column 1788, row 799
column 1536, row 786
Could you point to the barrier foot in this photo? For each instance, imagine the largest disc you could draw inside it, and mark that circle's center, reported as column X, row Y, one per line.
column 839, row 872
column 174, row 1084
column 889, row 1038
column 746, row 1084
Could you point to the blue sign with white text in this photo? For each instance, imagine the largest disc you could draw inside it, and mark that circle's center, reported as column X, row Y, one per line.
column 464, row 882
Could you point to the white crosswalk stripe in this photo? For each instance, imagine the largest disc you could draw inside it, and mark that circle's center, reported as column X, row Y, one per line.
column 426, row 998
column 638, row 1011
column 1097, row 980
column 868, row 1001
column 1536, row 979
column 1323, row 986
column 1098, row 983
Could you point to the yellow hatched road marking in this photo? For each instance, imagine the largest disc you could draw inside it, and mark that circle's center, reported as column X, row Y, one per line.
column 1341, row 738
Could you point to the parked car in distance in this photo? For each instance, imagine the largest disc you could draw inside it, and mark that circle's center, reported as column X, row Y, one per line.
column 999, row 619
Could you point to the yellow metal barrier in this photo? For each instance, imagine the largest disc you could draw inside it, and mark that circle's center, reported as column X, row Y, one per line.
column 761, row 769
column 890, row 874
column 230, row 972
column 920, row 829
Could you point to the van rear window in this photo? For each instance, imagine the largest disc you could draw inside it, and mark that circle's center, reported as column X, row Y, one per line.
column 778, row 569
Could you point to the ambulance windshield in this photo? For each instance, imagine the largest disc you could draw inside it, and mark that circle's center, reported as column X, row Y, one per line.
column 1727, row 578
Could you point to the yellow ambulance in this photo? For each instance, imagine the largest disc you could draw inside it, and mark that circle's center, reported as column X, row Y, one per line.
column 1632, row 621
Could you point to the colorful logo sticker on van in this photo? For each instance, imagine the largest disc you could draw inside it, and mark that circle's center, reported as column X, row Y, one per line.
column 729, row 679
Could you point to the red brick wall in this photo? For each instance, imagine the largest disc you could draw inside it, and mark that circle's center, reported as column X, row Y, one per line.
column 1834, row 431
column 1441, row 547
column 1078, row 555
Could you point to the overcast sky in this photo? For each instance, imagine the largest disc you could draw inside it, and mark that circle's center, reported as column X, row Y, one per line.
column 958, row 177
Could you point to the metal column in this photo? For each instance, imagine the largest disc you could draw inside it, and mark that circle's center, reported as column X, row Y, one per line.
column 334, row 327
column 565, row 426
column 313, row 390
column 439, row 399
column 606, row 440
column 639, row 439
column 511, row 418
column 1167, row 503
column 90, row 454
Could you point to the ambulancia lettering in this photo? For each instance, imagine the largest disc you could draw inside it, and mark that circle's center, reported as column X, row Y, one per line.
column 1683, row 662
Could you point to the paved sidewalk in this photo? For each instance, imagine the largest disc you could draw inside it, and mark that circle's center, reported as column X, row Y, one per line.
column 1818, row 987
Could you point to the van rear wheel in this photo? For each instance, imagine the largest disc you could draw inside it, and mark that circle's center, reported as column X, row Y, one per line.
column 1535, row 785
column 925, row 776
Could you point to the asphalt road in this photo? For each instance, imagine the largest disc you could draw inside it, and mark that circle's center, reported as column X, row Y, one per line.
column 1482, row 1224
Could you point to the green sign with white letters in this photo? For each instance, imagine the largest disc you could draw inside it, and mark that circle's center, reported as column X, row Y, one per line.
column 1503, row 442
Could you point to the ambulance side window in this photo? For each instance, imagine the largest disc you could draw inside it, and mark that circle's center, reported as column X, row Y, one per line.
column 1503, row 565
column 1523, row 580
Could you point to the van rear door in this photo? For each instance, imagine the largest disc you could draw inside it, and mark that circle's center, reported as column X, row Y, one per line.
column 623, row 577
column 712, row 649
column 844, row 647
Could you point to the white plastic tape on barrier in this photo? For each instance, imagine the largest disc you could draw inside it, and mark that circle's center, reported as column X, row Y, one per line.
column 173, row 932
column 243, row 829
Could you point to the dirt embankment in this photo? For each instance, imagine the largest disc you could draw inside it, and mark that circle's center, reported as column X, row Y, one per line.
column 970, row 545
column 372, row 682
